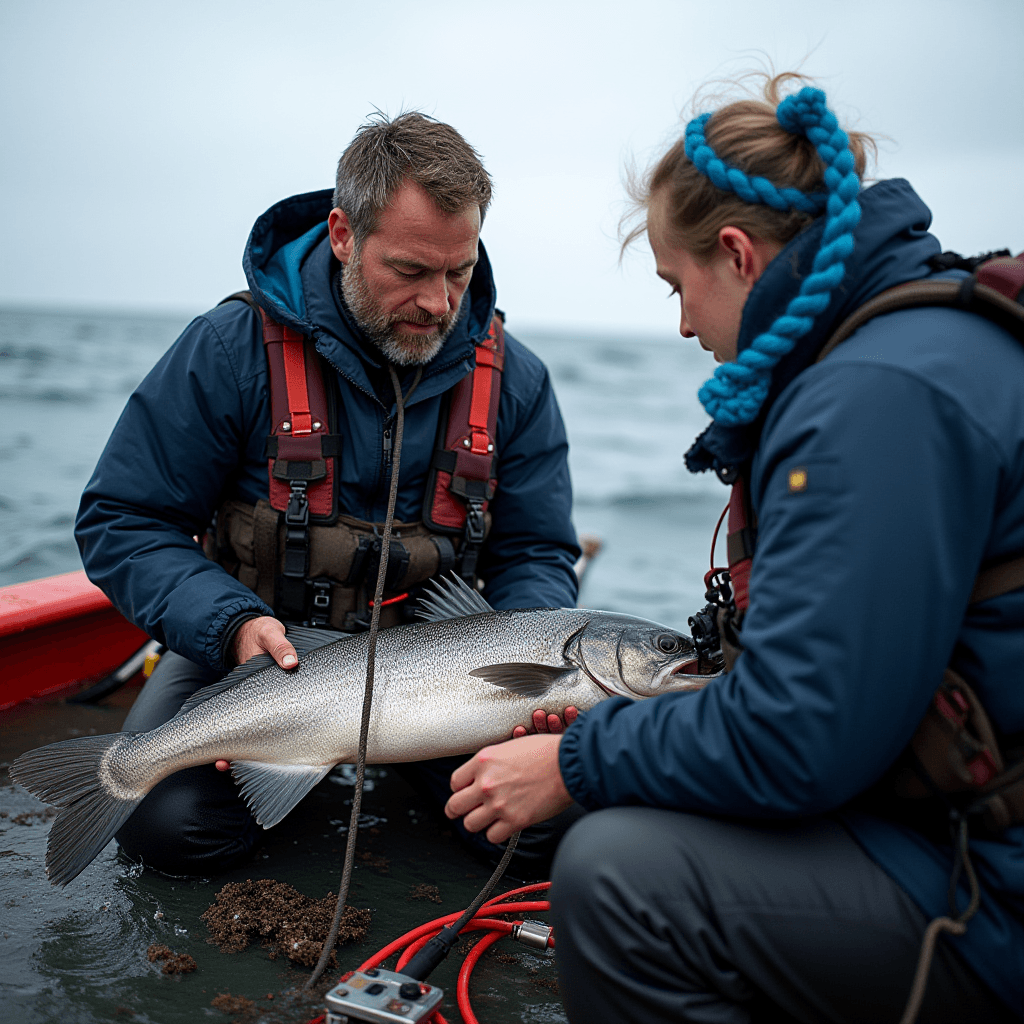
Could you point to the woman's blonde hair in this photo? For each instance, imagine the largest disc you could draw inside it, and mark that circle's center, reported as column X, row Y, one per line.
column 745, row 134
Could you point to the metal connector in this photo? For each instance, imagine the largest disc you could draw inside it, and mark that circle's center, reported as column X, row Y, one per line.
column 532, row 933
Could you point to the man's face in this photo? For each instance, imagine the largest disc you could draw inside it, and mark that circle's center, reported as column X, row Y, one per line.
column 405, row 283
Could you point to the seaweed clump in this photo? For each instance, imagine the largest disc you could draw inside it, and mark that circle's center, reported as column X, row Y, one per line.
column 425, row 892
column 174, row 963
column 227, row 1003
column 281, row 918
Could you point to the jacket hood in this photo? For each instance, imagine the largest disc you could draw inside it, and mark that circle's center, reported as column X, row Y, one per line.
column 289, row 266
column 891, row 246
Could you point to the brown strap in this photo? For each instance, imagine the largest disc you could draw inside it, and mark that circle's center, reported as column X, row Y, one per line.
column 998, row 579
column 979, row 299
column 264, row 548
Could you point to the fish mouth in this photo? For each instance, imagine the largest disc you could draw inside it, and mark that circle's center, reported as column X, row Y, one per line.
column 692, row 677
column 689, row 668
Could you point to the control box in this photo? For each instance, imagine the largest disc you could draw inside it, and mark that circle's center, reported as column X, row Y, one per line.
column 377, row 996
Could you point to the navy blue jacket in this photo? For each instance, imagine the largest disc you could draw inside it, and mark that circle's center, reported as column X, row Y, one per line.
column 192, row 436
column 912, row 435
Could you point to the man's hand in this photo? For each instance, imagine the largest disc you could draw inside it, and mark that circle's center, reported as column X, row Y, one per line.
column 264, row 635
column 508, row 786
column 543, row 722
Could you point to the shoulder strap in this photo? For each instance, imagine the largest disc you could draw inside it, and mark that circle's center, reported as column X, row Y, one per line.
column 300, row 449
column 465, row 451
column 740, row 540
column 993, row 291
column 300, row 453
column 461, row 482
column 998, row 580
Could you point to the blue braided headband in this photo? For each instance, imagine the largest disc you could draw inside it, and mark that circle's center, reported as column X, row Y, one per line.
column 735, row 394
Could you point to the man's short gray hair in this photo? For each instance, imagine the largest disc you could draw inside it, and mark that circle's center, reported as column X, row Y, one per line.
column 414, row 147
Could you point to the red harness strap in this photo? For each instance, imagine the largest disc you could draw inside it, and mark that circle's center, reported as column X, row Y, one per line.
column 299, row 447
column 464, row 457
column 740, row 542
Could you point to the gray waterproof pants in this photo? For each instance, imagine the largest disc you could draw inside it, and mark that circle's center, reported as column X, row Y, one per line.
column 667, row 917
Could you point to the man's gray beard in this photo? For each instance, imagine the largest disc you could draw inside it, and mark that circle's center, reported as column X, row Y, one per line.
column 379, row 327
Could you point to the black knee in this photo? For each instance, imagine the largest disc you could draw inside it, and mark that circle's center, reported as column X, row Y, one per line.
column 192, row 823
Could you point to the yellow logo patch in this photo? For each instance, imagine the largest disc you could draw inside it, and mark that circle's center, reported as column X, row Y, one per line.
column 797, row 480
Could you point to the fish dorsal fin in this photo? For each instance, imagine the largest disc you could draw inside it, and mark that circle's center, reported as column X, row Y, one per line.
column 272, row 790
column 451, row 598
column 303, row 640
column 524, row 678
column 306, row 640
column 233, row 678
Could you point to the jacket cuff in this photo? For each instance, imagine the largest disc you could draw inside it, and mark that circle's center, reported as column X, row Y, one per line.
column 571, row 766
column 224, row 627
column 235, row 623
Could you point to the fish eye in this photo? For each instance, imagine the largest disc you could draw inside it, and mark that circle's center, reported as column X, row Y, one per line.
column 667, row 643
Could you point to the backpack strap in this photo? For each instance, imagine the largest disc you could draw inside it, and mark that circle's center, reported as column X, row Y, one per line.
column 998, row 580
column 461, row 482
column 993, row 291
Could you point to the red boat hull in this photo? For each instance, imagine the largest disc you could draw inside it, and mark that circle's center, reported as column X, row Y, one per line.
column 57, row 633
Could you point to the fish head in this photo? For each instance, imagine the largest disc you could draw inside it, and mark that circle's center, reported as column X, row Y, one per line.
column 635, row 658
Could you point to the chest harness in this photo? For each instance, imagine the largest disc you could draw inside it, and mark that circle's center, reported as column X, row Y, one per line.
column 299, row 552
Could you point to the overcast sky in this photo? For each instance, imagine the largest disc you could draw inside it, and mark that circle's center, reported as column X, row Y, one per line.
column 140, row 140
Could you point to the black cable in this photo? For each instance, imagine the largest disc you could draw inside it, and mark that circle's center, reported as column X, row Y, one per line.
column 433, row 952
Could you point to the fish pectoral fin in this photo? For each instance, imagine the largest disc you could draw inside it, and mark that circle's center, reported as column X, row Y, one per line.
column 450, row 597
column 272, row 790
column 525, row 678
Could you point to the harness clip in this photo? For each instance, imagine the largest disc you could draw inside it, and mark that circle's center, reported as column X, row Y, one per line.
column 474, row 521
column 297, row 513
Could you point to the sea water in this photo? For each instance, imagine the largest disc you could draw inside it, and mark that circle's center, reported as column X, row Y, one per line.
column 79, row 954
column 629, row 404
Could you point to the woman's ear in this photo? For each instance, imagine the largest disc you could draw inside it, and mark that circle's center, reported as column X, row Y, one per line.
column 738, row 247
column 748, row 256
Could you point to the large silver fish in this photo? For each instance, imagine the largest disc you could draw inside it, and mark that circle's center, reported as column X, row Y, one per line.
column 464, row 678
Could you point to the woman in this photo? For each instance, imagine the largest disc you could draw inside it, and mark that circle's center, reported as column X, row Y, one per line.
column 746, row 859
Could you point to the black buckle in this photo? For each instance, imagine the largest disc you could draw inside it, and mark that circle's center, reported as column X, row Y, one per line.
column 296, row 535
column 474, row 521
column 320, row 610
column 297, row 512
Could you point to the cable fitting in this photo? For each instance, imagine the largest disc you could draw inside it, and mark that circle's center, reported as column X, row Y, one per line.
column 532, row 933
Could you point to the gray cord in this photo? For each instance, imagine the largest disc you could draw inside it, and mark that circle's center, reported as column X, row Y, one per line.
column 371, row 658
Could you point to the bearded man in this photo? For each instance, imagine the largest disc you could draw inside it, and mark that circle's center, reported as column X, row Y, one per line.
column 387, row 269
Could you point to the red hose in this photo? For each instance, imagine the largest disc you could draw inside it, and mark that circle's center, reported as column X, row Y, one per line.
column 462, row 989
column 411, row 942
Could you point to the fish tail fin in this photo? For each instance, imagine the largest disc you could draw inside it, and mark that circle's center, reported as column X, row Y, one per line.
column 71, row 775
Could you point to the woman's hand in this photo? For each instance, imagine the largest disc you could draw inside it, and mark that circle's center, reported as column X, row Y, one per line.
column 508, row 786
column 543, row 722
